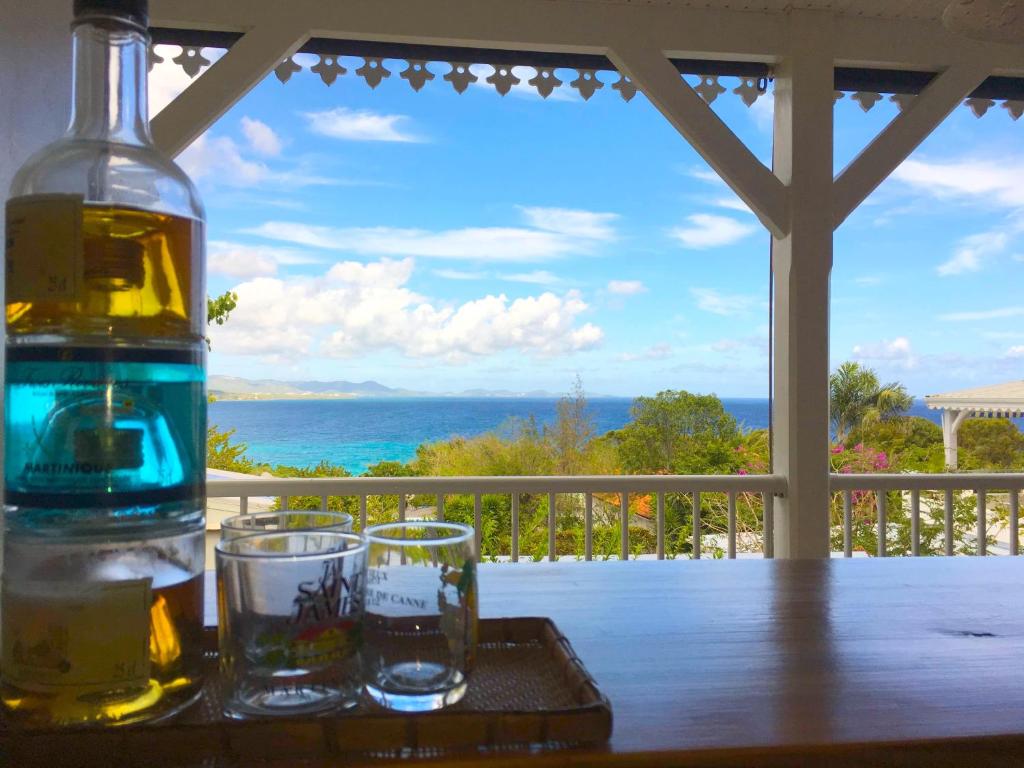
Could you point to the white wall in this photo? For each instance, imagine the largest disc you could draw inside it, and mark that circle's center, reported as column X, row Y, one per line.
column 35, row 79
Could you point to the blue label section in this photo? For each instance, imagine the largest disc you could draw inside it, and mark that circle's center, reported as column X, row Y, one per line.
column 104, row 433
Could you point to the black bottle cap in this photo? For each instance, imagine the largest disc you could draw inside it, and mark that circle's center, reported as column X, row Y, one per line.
column 135, row 11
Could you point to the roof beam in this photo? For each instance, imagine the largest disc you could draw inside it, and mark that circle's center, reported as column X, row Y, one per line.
column 903, row 135
column 757, row 186
column 209, row 96
column 681, row 32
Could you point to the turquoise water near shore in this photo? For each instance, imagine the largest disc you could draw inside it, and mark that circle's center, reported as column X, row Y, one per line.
column 359, row 432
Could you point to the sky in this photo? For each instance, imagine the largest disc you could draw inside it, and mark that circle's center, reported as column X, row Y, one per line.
column 442, row 242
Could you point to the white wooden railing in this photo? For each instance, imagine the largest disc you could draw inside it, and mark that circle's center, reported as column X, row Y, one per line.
column 767, row 486
column 952, row 487
column 846, row 487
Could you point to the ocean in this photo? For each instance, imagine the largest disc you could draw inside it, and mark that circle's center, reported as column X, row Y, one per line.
column 358, row 432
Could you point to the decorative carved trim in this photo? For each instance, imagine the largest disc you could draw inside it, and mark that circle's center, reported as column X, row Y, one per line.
column 373, row 70
column 546, row 81
column 329, row 68
column 502, row 79
column 286, row 69
column 191, row 60
column 586, row 83
column 416, row 74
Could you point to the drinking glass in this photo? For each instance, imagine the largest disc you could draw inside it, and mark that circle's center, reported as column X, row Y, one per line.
column 421, row 614
column 284, row 520
column 290, row 608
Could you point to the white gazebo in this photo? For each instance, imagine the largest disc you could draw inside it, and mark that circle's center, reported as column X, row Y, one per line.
column 994, row 401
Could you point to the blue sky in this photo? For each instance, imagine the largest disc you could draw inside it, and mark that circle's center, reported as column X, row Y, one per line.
column 443, row 242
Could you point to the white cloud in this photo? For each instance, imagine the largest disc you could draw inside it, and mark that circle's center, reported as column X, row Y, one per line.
column 537, row 277
column 261, row 137
column 709, row 231
column 523, row 88
column 240, row 260
column 458, row 274
column 626, row 287
column 868, row 280
column 359, row 125
column 220, row 160
column 167, row 80
column 972, row 251
column 995, row 181
column 705, row 174
column 1016, row 351
column 897, row 352
column 359, row 308
column 731, row 204
column 762, row 112
column 576, row 234
column 655, row 352
column 572, row 222
column 984, row 314
column 717, row 303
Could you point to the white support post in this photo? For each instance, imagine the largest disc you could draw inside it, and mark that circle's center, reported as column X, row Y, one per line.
column 904, row 134
column 658, row 78
column 951, row 421
column 213, row 92
column 802, row 263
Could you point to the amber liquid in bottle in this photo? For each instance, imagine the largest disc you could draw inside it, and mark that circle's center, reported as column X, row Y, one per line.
column 138, row 277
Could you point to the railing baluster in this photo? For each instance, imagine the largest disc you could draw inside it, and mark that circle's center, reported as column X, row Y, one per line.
column 1014, row 521
column 915, row 523
column 588, row 527
column 362, row 512
column 285, row 501
column 551, row 528
column 243, row 505
column 847, row 523
column 948, row 504
column 439, row 502
column 731, row 545
column 515, row 527
column 323, row 503
column 982, row 532
column 624, row 524
column 401, row 507
column 882, row 504
column 768, row 500
column 478, row 521
column 696, row 525
column 661, row 526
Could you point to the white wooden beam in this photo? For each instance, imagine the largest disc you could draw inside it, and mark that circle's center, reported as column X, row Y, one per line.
column 232, row 76
column 903, row 135
column 802, row 262
column 757, row 186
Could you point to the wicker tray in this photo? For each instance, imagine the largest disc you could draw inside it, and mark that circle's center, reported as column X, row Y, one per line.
column 529, row 689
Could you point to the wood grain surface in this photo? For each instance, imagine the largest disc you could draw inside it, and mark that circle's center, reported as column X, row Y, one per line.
column 750, row 662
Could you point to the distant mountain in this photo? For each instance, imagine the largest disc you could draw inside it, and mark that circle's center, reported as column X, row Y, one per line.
column 237, row 388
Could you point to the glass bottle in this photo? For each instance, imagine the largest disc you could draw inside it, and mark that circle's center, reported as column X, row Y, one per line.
column 105, row 405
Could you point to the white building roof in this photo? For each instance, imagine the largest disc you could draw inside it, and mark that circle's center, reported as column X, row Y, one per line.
column 994, row 400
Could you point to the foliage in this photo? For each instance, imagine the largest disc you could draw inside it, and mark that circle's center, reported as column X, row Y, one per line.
column 990, row 444
column 678, row 433
column 219, row 309
column 221, row 453
column 856, row 397
column 911, row 443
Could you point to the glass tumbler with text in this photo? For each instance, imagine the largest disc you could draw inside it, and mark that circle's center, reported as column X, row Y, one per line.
column 290, row 608
column 421, row 614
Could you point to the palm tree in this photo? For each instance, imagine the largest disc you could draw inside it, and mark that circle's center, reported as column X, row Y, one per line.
column 856, row 397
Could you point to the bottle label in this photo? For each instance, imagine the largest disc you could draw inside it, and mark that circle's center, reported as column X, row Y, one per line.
column 92, row 636
column 44, row 248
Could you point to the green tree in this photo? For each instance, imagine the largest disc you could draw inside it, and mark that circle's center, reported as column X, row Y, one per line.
column 992, row 444
column 219, row 309
column 221, row 453
column 856, row 396
column 909, row 442
column 572, row 431
column 679, row 433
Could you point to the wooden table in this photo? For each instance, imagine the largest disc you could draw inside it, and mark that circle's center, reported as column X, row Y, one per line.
column 776, row 663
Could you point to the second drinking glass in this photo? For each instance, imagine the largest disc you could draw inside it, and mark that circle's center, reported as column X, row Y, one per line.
column 421, row 614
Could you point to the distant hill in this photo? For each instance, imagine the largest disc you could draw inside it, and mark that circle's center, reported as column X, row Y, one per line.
column 237, row 388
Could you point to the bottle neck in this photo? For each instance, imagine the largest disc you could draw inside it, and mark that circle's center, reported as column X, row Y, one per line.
column 110, row 100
